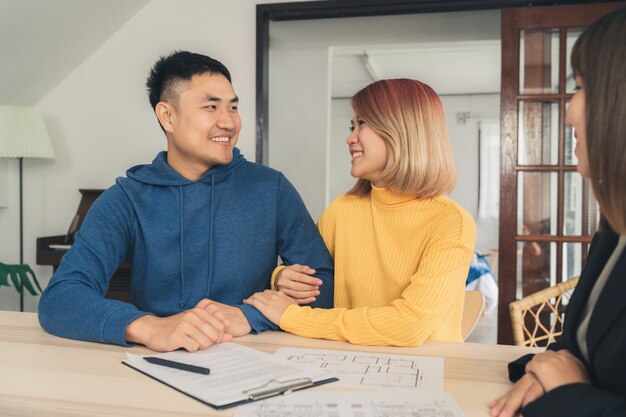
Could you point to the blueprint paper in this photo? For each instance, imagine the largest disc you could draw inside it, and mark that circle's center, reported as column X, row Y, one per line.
column 360, row 370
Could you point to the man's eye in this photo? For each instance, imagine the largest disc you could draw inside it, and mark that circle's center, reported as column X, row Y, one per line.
column 234, row 108
column 210, row 107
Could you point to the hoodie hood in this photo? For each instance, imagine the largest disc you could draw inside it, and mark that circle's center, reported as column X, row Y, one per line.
column 160, row 173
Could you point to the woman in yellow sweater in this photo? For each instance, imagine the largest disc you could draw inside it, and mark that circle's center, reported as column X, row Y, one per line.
column 401, row 248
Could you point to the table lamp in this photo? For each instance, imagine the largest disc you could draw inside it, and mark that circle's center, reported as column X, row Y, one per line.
column 23, row 134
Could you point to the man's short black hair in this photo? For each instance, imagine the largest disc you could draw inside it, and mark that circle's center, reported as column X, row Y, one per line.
column 179, row 66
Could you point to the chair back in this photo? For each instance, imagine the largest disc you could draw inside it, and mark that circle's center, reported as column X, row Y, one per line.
column 537, row 319
column 472, row 311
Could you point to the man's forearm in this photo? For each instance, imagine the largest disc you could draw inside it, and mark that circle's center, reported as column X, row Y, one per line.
column 326, row 297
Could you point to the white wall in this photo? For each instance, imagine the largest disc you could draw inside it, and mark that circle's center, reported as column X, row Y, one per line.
column 101, row 123
column 4, row 183
column 298, row 125
column 464, row 139
column 339, row 180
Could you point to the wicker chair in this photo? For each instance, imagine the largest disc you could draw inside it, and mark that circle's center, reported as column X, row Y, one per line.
column 537, row 319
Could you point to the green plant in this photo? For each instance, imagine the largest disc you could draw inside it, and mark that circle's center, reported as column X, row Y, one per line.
column 21, row 276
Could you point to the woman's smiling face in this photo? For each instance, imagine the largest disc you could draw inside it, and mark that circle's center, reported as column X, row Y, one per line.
column 368, row 151
column 575, row 117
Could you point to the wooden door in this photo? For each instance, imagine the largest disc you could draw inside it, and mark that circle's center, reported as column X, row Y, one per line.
column 547, row 211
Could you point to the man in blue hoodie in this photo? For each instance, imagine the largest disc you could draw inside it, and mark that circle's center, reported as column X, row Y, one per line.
column 201, row 226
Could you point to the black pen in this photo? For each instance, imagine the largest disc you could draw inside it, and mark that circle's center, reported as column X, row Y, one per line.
column 178, row 365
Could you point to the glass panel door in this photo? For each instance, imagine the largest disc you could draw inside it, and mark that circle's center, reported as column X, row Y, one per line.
column 547, row 211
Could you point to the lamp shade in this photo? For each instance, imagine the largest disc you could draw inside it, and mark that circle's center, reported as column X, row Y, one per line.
column 23, row 133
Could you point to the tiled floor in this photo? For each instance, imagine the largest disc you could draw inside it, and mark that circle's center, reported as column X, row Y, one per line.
column 486, row 331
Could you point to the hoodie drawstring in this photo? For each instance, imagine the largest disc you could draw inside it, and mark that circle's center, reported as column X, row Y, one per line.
column 210, row 238
column 182, row 239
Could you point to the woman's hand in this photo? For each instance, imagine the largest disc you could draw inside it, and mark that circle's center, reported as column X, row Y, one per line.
column 271, row 304
column 546, row 371
column 553, row 369
column 235, row 321
column 296, row 281
column 525, row 390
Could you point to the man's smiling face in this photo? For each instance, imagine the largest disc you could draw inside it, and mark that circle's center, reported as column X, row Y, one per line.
column 204, row 125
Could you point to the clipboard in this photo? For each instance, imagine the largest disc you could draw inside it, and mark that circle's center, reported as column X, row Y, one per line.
column 239, row 375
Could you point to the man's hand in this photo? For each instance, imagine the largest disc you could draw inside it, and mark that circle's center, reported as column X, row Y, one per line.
column 296, row 281
column 236, row 322
column 271, row 304
column 191, row 330
column 526, row 390
column 553, row 369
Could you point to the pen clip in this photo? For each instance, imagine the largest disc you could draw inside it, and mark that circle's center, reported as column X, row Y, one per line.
column 285, row 387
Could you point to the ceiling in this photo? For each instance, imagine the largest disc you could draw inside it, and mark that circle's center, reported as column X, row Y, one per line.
column 437, row 64
column 43, row 41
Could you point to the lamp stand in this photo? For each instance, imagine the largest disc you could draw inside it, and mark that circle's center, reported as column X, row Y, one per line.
column 21, row 235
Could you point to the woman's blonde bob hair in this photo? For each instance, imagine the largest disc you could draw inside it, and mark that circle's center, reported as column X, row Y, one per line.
column 408, row 116
column 599, row 58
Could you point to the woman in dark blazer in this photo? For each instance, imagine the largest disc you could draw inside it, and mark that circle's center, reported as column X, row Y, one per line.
column 585, row 373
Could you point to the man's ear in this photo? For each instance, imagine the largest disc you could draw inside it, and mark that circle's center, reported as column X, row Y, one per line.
column 164, row 112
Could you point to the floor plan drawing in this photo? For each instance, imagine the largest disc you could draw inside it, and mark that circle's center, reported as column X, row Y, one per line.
column 369, row 370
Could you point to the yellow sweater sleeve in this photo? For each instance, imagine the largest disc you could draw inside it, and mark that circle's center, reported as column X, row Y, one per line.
column 274, row 273
column 436, row 288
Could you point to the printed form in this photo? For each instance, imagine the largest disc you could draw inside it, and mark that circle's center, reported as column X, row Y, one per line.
column 354, row 404
column 238, row 374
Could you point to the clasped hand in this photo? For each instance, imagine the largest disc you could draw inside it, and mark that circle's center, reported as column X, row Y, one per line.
column 546, row 371
column 295, row 285
column 210, row 322
column 296, row 282
column 206, row 324
column 272, row 304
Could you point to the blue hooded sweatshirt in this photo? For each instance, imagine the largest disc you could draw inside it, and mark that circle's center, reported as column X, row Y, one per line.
column 218, row 237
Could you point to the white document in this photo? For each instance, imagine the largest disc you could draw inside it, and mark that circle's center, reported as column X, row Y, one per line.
column 360, row 370
column 323, row 403
column 238, row 374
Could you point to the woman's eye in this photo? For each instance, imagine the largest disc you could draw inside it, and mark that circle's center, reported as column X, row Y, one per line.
column 360, row 122
column 351, row 127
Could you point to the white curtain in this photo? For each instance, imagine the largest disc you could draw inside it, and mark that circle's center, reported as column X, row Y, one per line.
column 489, row 194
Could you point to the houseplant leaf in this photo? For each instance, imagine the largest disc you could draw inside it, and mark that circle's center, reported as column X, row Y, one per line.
column 21, row 276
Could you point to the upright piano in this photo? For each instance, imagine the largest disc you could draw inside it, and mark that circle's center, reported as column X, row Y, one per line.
column 50, row 249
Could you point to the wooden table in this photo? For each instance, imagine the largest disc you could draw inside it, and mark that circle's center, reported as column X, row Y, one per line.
column 44, row 375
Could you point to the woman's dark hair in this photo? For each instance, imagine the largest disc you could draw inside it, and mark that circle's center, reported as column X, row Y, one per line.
column 599, row 58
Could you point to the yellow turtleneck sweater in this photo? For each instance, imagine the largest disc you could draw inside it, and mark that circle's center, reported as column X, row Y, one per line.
column 400, row 271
